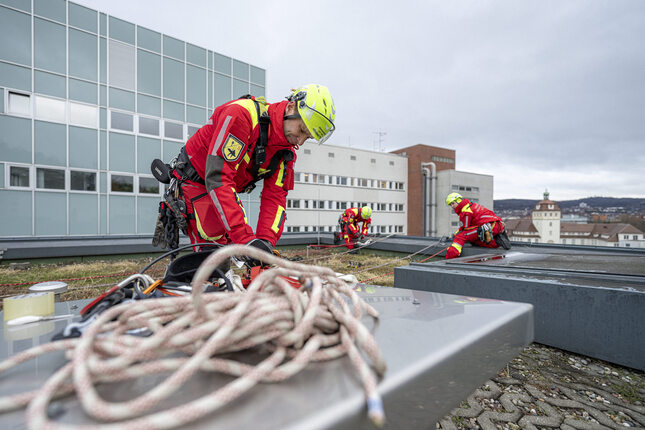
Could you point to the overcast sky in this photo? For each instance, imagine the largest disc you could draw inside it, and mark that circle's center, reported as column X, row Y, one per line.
column 539, row 94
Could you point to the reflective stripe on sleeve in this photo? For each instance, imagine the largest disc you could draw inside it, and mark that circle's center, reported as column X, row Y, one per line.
column 220, row 136
column 457, row 247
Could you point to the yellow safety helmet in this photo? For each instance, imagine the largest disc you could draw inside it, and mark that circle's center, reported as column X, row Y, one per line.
column 366, row 212
column 316, row 108
column 453, row 197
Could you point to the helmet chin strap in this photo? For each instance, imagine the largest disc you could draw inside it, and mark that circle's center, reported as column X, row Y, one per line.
column 294, row 116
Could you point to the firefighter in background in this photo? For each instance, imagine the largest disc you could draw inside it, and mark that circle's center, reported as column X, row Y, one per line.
column 349, row 224
column 479, row 226
column 246, row 141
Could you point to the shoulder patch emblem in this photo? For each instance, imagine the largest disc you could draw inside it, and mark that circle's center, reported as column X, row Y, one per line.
column 232, row 148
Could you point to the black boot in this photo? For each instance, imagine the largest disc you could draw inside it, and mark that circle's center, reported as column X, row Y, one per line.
column 503, row 240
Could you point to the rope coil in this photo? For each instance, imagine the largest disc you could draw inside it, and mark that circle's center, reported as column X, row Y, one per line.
column 291, row 327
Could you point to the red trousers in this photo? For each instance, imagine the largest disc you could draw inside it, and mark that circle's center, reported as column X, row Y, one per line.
column 471, row 236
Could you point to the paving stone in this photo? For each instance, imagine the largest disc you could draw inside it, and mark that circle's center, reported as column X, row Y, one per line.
column 549, row 388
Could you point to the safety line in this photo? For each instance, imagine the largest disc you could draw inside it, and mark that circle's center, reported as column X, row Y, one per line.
column 391, row 273
column 318, row 322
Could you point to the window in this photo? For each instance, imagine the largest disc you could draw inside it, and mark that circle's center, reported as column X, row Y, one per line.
column 625, row 237
column 306, row 206
column 148, row 185
column 50, row 179
column 148, row 126
column 297, row 176
column 352, row 157
column 391, row 163
column 373, row 160
column 121, row 184
column 83, row 115
column 442, row 159
column 19, row 104
column 341, row 180
column 307, row 151
column 305, row 177
column 121, row 65
column 173, row 130
column 635, row 237
column 330, row 154
column 82, row 181
column 49, row 109
column 121, row 121
column 18, row 176
column 191, row 130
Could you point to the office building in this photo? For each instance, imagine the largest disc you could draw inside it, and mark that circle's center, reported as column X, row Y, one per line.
column 87, row 101
column 330, row 178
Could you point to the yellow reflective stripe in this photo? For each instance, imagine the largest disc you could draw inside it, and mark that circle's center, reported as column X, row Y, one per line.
column 202, row 233
column 280, row 180
column 239, row 203
column 457, row 247
column 467, row 209
column 247, row 158
column 279, row 215
column 249, row 105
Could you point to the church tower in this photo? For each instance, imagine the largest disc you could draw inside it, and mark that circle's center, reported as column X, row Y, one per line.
column 546, row 219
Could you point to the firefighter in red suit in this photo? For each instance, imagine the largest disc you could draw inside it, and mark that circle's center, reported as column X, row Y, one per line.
column 249, row 140
column 349, row 224
column 479, row 226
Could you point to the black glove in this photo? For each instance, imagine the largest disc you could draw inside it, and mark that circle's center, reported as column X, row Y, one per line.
column 261, row 244
column 159, row 236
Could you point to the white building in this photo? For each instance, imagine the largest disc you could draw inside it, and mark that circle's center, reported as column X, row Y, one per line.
column 546, row 226
column 331, row 178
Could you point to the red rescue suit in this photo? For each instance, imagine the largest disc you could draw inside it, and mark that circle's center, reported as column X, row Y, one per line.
column 222, row 153
column 471, row 216
column 349, row 226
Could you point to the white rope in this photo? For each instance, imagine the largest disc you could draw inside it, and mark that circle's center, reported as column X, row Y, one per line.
column 293, row 327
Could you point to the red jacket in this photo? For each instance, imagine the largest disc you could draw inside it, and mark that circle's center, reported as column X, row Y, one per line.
column 222, row 154
column 352, row 217
column 472, row 215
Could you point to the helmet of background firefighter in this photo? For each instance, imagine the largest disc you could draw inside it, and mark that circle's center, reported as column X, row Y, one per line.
column 452, row 198
column 366, row 212
column 317, row 110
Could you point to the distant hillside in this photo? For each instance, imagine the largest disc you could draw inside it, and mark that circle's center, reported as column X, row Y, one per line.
column 630, row 204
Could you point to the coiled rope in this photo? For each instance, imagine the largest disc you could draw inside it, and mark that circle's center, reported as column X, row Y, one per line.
column 293, row 326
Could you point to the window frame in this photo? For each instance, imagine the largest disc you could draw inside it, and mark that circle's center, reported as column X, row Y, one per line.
column 7, row 94
column 121, row 193
column 7, row 176
column 57, row 190
column 76, row 169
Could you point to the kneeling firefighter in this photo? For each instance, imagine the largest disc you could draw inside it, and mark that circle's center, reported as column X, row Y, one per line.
column 349, row 221
column 479, row 226
column 247, row 141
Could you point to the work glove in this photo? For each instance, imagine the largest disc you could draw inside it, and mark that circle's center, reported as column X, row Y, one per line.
column 260, row 244
column 159, row 236
column 485, row 233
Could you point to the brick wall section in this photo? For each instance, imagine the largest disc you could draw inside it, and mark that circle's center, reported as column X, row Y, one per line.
column 418, row 154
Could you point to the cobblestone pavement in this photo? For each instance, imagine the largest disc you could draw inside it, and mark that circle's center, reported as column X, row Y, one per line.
column 549, row 388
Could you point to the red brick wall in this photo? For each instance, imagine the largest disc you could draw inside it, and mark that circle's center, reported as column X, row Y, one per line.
column 418, row 154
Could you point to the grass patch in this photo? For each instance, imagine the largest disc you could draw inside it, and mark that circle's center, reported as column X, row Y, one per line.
column 87, row 277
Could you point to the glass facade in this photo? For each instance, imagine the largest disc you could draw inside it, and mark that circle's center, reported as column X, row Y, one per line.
column 87, row 101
